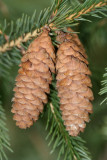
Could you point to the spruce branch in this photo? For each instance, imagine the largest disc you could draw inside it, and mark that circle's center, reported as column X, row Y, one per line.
column 70, row 148
column 86, row 10
column 104, row 89
column 65, row 16
column 18, row 41
column 7, row 60
column 4, row 138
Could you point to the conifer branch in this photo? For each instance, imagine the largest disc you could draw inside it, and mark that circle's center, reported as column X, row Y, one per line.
column 64, row 16
column 86, row 10
column 104, row 89
column 4, row 138
column 70, row 148
column 20, row 40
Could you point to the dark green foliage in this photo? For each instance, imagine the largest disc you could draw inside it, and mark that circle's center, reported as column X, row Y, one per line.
column 4, row 139
column 7, row 60
column 70, row 148
column 104, row 89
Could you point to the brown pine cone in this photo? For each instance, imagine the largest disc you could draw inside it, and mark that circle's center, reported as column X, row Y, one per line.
column 73, row 83
column 32, row 82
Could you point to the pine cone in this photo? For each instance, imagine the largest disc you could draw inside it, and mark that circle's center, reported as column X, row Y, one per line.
column 32, row 82
column 73, row 83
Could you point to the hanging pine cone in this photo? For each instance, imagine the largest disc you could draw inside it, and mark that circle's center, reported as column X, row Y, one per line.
column 73, row 83
column 32, row 82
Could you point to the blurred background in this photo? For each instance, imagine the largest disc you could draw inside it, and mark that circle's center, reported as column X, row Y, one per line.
column 31, row 144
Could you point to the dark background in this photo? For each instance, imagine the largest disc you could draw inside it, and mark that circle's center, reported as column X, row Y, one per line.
column 31, row 144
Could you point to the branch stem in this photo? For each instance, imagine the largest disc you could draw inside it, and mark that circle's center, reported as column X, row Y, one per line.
column 9, row 45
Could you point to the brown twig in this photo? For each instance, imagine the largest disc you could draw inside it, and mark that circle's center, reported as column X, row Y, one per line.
column 84, row 11
column 36, row 32
column 18, row 41
column 52, row 109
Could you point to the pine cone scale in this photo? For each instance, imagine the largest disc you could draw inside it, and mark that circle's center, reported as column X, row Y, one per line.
column 69, row 51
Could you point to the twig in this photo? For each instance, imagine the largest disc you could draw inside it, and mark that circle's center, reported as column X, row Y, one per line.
column 100, row 4
column 52, row 109
column 18, row 41
column 7, row 46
